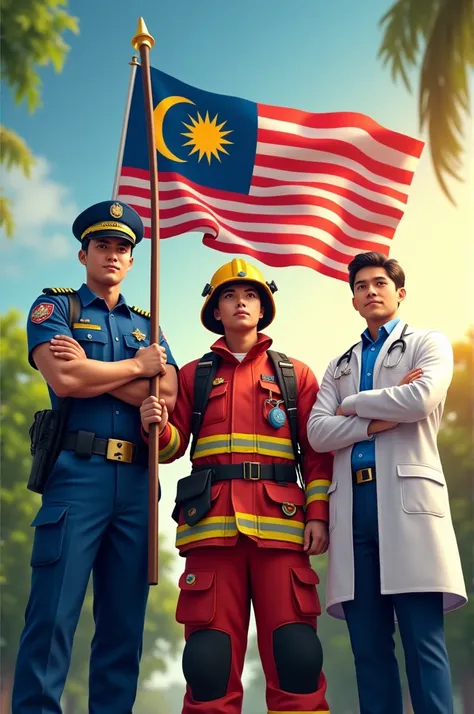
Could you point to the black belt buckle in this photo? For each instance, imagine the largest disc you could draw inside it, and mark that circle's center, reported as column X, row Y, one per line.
column 252, row 470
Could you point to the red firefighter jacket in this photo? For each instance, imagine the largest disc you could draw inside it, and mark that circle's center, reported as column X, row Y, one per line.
column 234, row 430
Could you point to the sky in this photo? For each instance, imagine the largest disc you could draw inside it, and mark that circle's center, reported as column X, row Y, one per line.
column 305, row 54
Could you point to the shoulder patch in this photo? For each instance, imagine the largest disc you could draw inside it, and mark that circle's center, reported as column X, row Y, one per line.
column 139, row 311
column 41, row 312
column 59, row 291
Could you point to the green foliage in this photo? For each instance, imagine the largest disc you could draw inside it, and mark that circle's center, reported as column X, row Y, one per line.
column 24, row 392
column 456, row 444
column 32, row 37
column 13, row 152
column 445, row 29
column 6, row 216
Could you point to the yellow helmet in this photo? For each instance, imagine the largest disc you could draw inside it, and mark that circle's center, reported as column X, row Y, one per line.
column 233, row 272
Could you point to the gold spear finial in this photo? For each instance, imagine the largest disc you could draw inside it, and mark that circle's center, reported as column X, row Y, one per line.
column 142, row 36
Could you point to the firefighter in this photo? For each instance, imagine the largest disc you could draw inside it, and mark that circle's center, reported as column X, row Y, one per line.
column 245, row 526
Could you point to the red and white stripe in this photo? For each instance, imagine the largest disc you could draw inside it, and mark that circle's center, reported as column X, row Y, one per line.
column 324, row 187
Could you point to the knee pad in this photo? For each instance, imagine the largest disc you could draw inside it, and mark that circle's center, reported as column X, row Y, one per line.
column 206, row 664
column 298, row 658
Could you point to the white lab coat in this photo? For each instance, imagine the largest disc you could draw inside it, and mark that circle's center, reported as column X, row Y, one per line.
column 418, row 549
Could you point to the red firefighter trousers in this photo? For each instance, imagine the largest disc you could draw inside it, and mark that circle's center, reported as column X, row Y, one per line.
column 216, row 590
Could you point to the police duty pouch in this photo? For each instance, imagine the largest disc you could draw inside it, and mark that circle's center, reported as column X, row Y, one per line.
column 193, row 495
column 46, row 434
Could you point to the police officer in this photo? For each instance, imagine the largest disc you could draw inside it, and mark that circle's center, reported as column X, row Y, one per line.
column 94, row 508
column 245, row 526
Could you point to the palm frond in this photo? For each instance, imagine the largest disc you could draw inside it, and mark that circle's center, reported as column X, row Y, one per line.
column 406, row 24
column 446, row 29
column 444, row 88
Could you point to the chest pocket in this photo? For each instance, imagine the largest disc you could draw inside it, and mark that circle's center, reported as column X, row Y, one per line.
column 132, row 344
column 217, row 405
column 92, row 341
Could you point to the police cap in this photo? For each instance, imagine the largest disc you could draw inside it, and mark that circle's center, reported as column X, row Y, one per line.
column 109, row 219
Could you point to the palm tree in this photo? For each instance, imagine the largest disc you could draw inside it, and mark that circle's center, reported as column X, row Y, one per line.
column 446, row 30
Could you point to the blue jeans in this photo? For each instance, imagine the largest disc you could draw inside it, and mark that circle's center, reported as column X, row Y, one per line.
column 370, row 620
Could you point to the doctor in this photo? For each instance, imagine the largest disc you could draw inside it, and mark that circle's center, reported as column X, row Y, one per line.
column 393, row 550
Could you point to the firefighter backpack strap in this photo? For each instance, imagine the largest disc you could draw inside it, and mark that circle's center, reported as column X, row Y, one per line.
column 205, row 372
column 286, row 377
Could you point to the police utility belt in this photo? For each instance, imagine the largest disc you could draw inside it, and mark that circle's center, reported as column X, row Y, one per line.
column 193, row 496
column 48, row 439
column 85, row 444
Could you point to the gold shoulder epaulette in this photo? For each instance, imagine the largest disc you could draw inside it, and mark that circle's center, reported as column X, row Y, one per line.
column 59, row 291
column 139, row 311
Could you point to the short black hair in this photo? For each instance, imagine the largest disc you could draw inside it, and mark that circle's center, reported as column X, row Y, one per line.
column 376, row 260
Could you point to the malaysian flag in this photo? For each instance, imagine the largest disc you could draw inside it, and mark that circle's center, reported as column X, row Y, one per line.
column 284, row 186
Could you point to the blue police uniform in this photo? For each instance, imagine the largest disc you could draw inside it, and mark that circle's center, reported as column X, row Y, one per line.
column 369, row 615
column 93, row 516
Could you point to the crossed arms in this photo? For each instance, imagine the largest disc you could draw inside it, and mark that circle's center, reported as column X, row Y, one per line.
column 334, row 426
column 67, row 369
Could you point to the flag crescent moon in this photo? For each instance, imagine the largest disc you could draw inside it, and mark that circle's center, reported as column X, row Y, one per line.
column 159, row 114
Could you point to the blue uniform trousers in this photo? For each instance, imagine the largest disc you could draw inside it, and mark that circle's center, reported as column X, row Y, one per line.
column 93, row 518
column 370, row 619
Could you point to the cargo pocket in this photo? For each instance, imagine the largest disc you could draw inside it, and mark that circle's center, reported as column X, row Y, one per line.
column 289, row 500
column 332, row 505
column 423, row 490
column 50, row 523
column 304, row 581
column 197, row 599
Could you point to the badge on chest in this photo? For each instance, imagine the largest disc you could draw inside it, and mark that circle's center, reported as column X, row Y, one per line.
column 272, row 410
column 139, row 336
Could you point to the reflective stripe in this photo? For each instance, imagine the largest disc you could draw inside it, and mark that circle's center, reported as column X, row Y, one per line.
column 270, row 528
column 216, row 527
column 317, row 490
column 168, row 451
column 244, row 444
column 227, row 527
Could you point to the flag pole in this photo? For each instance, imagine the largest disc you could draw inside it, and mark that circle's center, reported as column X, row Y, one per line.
column 134, row 64
column 143, row 42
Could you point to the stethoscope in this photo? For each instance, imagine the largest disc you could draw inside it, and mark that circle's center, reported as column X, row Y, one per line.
column 400, row 343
